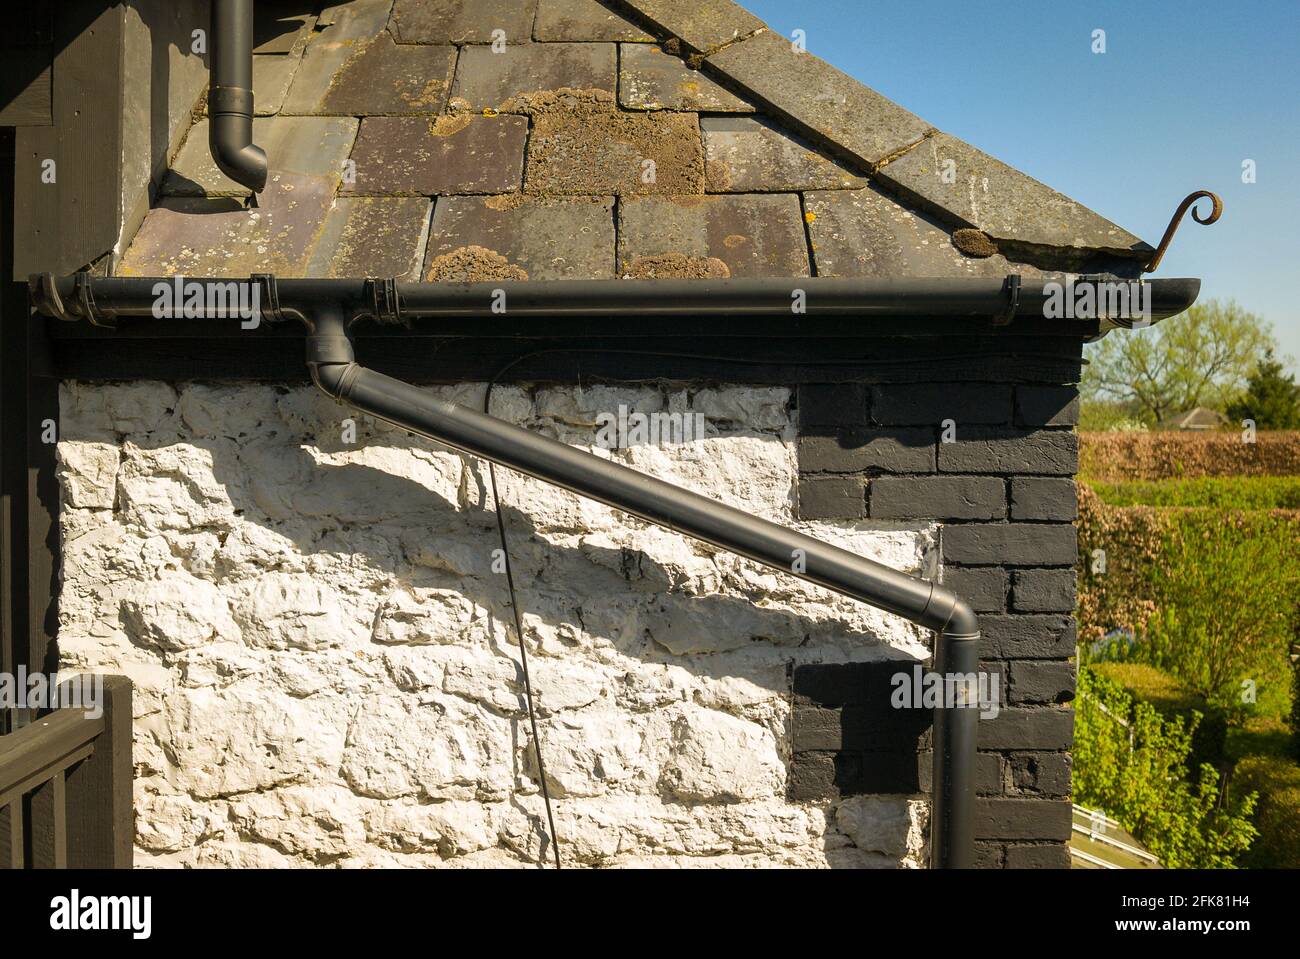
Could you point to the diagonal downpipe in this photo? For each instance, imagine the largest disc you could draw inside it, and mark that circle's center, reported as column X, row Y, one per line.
column 335, row 371
column 230, row 95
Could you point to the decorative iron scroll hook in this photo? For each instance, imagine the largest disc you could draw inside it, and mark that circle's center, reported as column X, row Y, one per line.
column 1215, row 212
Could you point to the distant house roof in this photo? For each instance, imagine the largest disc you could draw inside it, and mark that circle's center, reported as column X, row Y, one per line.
column 1199, row 418
column 570, row 139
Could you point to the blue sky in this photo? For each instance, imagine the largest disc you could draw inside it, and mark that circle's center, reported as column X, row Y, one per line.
column 1185, row 92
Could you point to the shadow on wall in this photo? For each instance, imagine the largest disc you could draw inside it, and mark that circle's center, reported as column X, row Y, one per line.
column 421, row 550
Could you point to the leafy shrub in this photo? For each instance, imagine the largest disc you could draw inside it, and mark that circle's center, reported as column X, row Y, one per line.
column 1277, row 812
column 1137, row 773
column 1237, row 492
column 1226, row 585
column 1173, row 700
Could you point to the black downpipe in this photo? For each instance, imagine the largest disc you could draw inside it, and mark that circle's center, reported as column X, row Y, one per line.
column 230, row 95
column 334, row 370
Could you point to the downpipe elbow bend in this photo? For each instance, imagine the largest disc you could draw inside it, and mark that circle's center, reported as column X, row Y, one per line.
column 230, row 139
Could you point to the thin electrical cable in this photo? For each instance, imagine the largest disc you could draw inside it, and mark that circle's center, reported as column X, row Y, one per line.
column 519, row 633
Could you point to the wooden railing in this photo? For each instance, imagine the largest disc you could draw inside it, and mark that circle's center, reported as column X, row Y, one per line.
column 65, row 788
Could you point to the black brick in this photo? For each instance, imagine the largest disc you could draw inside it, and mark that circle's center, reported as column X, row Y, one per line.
column 832, row 497
column 853, row 451
column 1027, row 637
column 988, row 772
column 988, row 855
column 980, row 449
column 1043, row 727
column 812, row 777
column 1042, row 681
column 1022, row 819
column 1043, row 498
column 1044, row 773
column 984, row 587
column 832, row 405
column 1052, row 856
column 848, row 684
column 1043, row 590
column 858, row 729
column 930, row 404
column 938, row 497
column 1012, row 544
column 1047, row 405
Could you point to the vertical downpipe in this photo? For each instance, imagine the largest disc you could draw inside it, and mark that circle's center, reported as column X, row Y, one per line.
column 230, row 95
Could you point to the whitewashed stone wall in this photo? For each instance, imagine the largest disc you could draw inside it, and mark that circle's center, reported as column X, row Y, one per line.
column 321, row 648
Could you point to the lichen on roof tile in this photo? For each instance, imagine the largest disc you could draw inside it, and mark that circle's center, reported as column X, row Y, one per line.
column 650, row 79
column 382, row 77
column 486, row 79
column 373, row 236
column 560, row 20
column 451, row 154
column 973, row 188
column 754, row 234
column 464, row 21
column 219, row 236
column 546, row 238
column 582, row 143
column 752, row 155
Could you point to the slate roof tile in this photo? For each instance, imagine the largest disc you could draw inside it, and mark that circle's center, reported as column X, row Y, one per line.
column 581, row 143
column 218, row 236
column 486, row 79
column 751, row 155
column 865, row 233
column 450, row 154
column 753, row 234
column 373, row 236
column 650, row 79
column 583, row 20
column 546, row 239
column 463, row 21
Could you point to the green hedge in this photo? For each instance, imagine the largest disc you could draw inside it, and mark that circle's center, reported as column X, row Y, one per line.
column 1171, row 700
column 1277, row 813
column 1131, row 762
column 1237, row 492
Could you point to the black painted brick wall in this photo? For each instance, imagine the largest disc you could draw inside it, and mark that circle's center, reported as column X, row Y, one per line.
column 994, row 464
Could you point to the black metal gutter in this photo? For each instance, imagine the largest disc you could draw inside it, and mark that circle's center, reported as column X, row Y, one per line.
column 1000, row 299
column 328, row 308
column 230, row 95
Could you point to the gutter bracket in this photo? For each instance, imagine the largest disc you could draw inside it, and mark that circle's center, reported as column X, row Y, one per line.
column 385, row 304
column 269, row 308
column 44, row 294
column 1012, row 286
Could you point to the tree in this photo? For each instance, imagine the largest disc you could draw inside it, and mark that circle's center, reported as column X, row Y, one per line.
column 1271, row 399
column 1200, row 358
